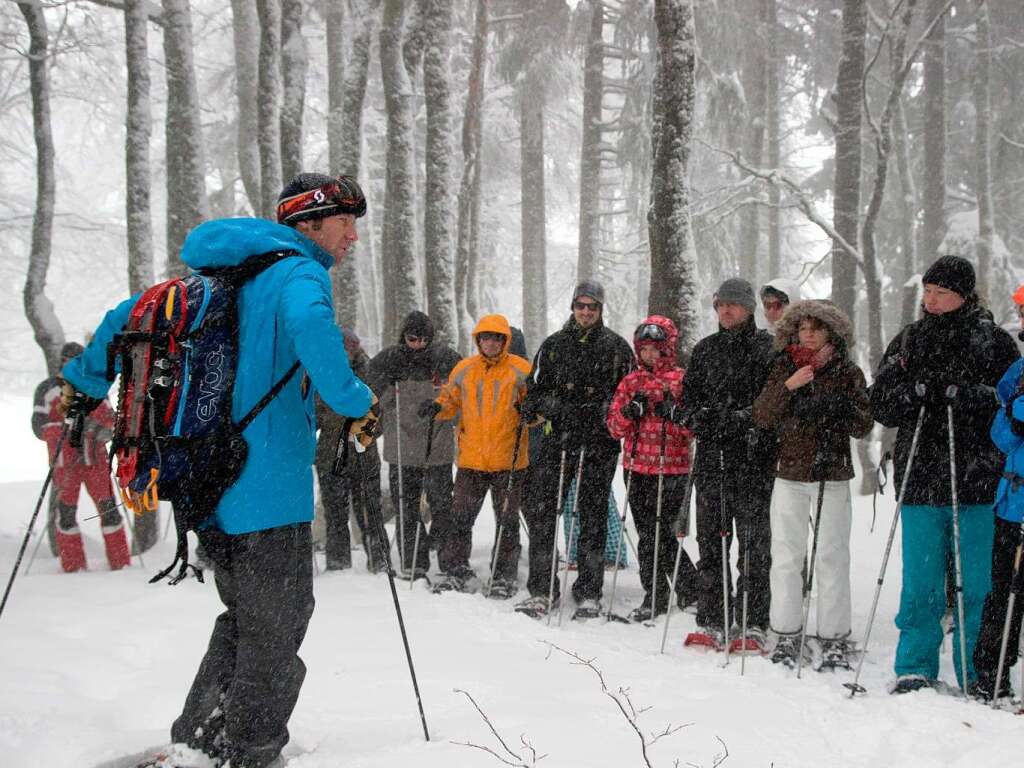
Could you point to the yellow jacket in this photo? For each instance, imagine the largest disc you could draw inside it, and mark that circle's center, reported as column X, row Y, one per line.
column 483, row 393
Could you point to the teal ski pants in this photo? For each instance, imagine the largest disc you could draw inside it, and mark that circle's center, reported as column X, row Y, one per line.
column 927, row 537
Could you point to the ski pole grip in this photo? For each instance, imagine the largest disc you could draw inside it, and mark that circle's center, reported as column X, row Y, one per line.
column 77, row 428
column 341, row 452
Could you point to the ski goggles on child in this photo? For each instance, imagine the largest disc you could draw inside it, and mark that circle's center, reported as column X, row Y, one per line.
column 650, row 332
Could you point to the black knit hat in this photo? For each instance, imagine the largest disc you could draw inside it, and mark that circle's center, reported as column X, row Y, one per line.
column 952, row 272
column 417, row 324
column 736, row 290
column 590, row 288
column 317, row 196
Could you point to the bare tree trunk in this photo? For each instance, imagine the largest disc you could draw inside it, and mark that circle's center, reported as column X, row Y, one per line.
column 437, row 238
column 534, row 212
column 401, row 292
column 908, row 195
column 46, row 327
column 245, row 26
column 268, row 129
column 186, row 169
column 469, row 188
column 774, row 138
column 138, row 132
column 982, row 142
column 933, row 229
column 849, row 99
column 293, row 76
column 590, row 144
column 673, row 262
column 755, row 84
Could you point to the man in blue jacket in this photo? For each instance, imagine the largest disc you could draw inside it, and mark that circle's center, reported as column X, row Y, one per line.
column 247, row 684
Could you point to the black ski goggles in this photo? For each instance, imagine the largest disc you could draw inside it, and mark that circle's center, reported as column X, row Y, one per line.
column 650, row 332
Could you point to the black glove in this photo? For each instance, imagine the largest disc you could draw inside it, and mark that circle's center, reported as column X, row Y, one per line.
column 733, row 422
column 75, row 404
column 705, row 422
column 549, row 407
column 428, row 409
column 635, row 408
column 826, row 406
column 668, row 409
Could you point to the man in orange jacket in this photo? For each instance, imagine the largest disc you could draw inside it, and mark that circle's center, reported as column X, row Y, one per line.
column 484, row 392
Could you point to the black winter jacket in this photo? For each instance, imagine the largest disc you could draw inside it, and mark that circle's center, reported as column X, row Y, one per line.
column 575, row 373
column 964, row 347
column 727, row 371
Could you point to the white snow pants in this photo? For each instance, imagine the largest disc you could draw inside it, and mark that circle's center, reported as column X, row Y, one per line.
column 792, row 512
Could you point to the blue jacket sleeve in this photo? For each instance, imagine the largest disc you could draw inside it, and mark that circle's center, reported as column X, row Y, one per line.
column 1005, row 439
column 88, row 372
column 309, row 322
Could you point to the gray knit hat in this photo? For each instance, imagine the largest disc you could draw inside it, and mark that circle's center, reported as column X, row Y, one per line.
column 590, row 288
column 735, row 290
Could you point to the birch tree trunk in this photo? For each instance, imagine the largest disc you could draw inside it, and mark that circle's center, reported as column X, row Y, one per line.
column 437, row 232
column 590, row 144
column 982, row 143
column 773, row 128
column 245, row 27
column 469, row 187
column 46, row 327
column 849, row 100
column 398, row 259
column 268, row 128
column 293, row 76
column 673, row 262
column 934, row 195
column 755, row 82
column 138, row 132
column 186, row 170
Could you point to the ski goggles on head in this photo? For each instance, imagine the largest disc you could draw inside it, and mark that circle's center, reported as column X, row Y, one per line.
column 342, row 195
column 650, row 332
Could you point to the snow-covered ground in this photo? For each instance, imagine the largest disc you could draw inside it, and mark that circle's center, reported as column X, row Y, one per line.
column 96, row 665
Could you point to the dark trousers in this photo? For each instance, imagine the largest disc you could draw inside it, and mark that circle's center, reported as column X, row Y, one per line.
column 437, row 482
column 993, row 616
column 643, row 502
column 251, row 670
column 342, row 498
column 471, row 487
column 541, row 506
column 746, row 505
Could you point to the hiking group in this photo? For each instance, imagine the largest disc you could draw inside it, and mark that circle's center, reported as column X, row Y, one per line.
column 758, row 425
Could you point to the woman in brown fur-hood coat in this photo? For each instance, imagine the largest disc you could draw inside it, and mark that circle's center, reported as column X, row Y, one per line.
column 816, row 400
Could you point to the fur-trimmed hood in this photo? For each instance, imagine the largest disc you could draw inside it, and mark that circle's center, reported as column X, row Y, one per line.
column 788, row 327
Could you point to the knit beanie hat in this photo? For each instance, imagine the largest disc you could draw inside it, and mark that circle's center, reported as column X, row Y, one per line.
column 317, row 196
column 417, row 324
column 952, row 272
column 590, row 288
column 736, row 290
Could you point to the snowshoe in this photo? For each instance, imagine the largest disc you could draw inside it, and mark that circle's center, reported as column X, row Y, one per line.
column 706, row 638
column 502, row 589
column 459, row 580
column 416, row 575
column 835, row 654
column 910, row 683
column 587, row 609
column 754, row 645
column 787, row 651
column 983, row 689
column 178, row 756
column 536, row 607
column 642, row 613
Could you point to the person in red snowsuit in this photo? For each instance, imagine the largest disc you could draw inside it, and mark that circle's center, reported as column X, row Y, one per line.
column 642, row 413
column 77, row 466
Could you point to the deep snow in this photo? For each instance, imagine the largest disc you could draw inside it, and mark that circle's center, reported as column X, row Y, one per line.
column 96, row 665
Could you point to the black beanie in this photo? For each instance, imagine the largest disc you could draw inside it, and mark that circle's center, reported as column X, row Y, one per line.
column 952, row 272
column 590, row 288
column 736, row 290
column 317, row 196
column 417, row 324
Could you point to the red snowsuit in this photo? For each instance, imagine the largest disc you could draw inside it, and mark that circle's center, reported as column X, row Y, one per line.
column 74, row 467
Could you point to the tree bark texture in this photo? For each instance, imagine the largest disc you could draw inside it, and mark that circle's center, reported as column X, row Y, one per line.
column 268, row 128
column 245, row 27
column 293, row 77
column 982, row 143
column 590, row 145
column 533, row 223
column 437, row 217
column 908, row 194
column 849, row 99
column 398, row 259
column 933, row 229
column 46, row 327
column 773, row 128
column 755, row 84
column 467, row 227
column 138, row 132
column 673, row 262
column 186, row 169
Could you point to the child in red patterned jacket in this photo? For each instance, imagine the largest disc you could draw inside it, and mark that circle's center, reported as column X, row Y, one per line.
column 641, row 413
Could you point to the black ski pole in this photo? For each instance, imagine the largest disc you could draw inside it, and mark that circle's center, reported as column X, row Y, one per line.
column 725, row 527
column 558, row 516
column 378, row 523
column 419, row 513
column 504, row 504
column 809, row 581
column 31, row 523
column 618, row 550
column 657, row 523
column 685, row 512
column 1014, row 589
column 957, row 559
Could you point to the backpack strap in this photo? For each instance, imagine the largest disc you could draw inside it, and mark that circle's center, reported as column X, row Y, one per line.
column 265, row 400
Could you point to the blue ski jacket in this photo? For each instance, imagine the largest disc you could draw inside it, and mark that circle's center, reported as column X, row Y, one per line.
column 1009, row 494
column 285, row 314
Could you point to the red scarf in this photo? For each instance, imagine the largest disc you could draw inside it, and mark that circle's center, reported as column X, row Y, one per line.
column 802, row 356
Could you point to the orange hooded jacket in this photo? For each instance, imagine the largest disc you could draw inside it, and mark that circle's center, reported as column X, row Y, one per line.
column 483, row 393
